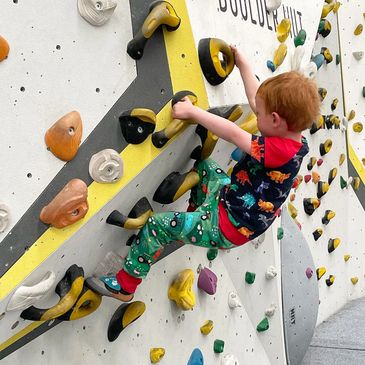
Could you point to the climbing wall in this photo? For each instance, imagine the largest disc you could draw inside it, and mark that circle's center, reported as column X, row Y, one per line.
column 343, row 200
column 50, row 72
column 353, row 82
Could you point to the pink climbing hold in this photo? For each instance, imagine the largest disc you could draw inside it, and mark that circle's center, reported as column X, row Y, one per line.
column 207, row 281
column 307, row 178
column 309, row 272
column 319, row 162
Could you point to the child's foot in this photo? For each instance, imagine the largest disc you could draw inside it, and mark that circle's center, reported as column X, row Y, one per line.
column 108, row 286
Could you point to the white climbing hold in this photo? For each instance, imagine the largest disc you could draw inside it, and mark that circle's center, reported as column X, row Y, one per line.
column 258, row 240
column 229, row 359
column 272, row 5
column 234, row 300
column 269, row 312
column 297, row 58
column 96, row 12
column 310, row 70
column 26, row 296
column 344, row 125
column 358, row 55
column 271, row 272
column 349, row 181
column 4, row 216
column 106, row 166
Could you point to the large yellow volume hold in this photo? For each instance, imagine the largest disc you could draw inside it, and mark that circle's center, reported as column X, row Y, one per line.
column 180, row 290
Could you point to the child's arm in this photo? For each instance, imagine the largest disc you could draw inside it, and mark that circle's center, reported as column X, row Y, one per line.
column 249, row 79
column 221, row 127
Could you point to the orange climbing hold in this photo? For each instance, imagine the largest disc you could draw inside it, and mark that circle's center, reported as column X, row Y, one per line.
column 4, row 48
column 68, row 206
column 64, row 137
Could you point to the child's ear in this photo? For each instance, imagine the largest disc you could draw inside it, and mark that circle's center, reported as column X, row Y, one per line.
column 277, row 119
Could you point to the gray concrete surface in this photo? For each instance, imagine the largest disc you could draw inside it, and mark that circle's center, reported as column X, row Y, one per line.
column 341, row 339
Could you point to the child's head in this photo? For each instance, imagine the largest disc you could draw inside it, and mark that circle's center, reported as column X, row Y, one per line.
column 294, row 97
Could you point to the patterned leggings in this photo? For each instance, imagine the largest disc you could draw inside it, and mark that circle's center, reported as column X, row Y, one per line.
column 199, row 228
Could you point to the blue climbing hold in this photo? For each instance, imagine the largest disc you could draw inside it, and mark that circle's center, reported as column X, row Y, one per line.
column 270, row 65
column 318, row 60
column 196, row 358
column 237, row 154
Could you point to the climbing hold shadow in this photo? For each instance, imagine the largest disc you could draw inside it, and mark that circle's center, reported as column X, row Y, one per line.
column 160, row 13
column 215, row 70
column 137, row 124
column 160, row 138
column 125, row 314
column 136, row 218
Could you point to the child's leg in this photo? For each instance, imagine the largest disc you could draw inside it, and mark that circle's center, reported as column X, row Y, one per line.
column 211, row 179
column 199, row 228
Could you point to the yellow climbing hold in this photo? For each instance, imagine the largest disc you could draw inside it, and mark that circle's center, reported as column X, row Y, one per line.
column 336, row 7
column 181, row 291
column 280, row 55
column 357, row 127
column 207, row 327
column 358, row 30
column 156, row 354
column 351, row 115
column 327, row 8
column 292, row 210
column 320, row 272
column 363, row 161
column 315, row 177
column 356, row 183
column 354, row 280
column 346, row 257
column 342, row 159
column 283, row 30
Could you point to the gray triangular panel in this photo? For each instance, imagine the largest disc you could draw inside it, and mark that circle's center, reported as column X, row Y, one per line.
column 300, row 294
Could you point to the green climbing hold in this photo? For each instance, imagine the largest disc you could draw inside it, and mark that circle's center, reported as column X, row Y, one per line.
column 218, row 346
column 299, row 40
column 338, row 59
column 212, row 254
column 324, row 28
column 250, row 277
column 280, row 233
column 263, row 325
column 343, row 183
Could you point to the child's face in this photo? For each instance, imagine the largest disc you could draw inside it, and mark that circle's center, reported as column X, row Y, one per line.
column 264, row 118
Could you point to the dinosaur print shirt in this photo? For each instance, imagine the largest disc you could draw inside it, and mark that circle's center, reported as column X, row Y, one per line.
column 260, row 183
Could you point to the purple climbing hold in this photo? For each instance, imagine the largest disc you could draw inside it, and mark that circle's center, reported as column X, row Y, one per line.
column 207, row 281
column 309, row 272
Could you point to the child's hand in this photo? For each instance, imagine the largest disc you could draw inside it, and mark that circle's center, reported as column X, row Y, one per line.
column 183, row 109
column 239, row 58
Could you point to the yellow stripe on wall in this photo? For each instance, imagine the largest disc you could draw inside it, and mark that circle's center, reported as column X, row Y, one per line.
column 20, row 334
column 359, row 167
